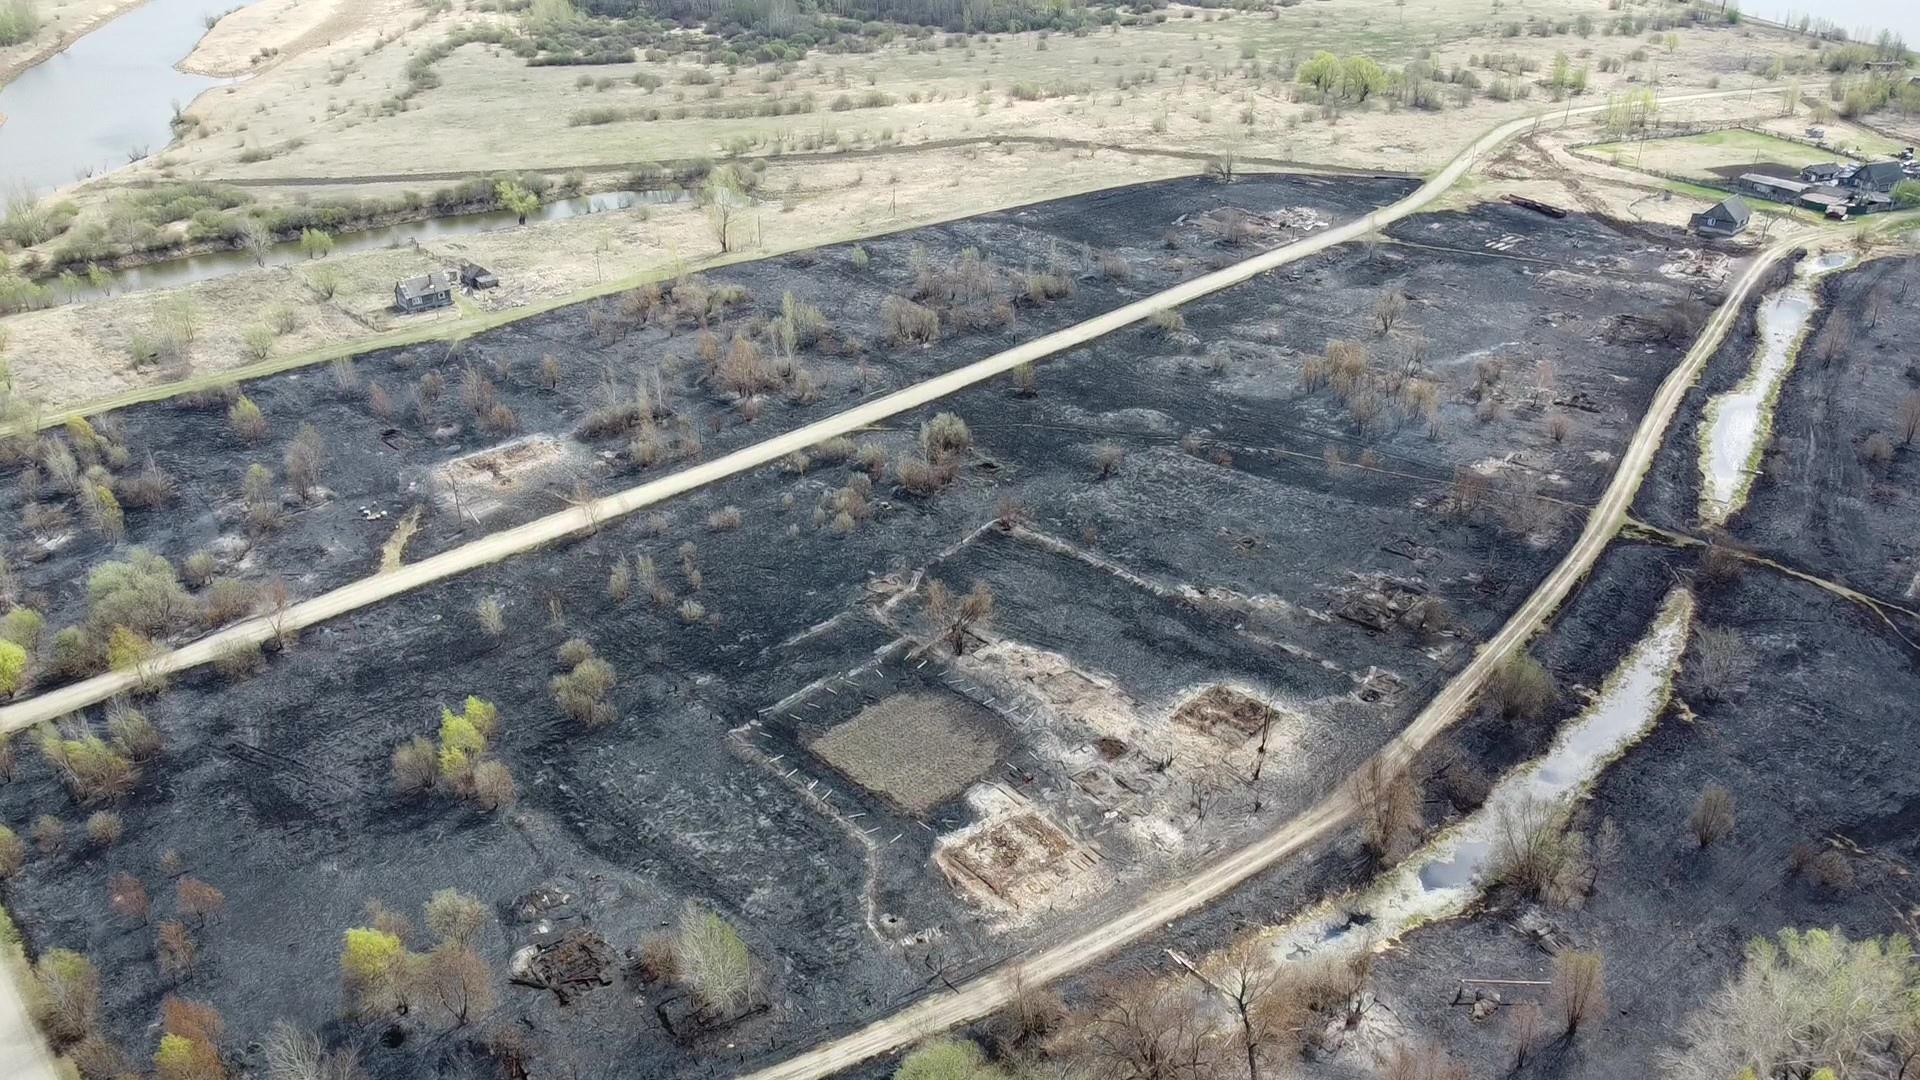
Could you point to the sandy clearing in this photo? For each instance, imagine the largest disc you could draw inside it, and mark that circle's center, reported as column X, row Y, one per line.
column 262, row 35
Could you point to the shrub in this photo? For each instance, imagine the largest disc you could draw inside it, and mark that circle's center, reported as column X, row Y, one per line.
column 127, row 898
column 246, row 419
column 574, row 651
column 946, row 1059
column 13, row 852
column 141, row 594
column 416, row 767
column 92, row 770
column 1712, row 816
column 944, row 435
column 1805, row 1004
column 1579, row 988
column 493, row 619
column 104, row 828
column 492, row 785
column 909, row 323
column 228, row 600
column 73, row 652
column 1167, row 321
column 303, row 459
column 13, row 667
column 48, row 833
column 23, row 627
column 724, row 519
column 713, row 959
column 199, row 568
column 1522, row 688
column 133, row 734
column 70, row 993
column 1534, row 855
column 452, row 915
column 371, row 964
column 581, row 693
column 198, row 900
column 174, row 949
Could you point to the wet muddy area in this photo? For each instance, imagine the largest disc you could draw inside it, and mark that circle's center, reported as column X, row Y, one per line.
column 1207, row 554
column 1805, row 766
column 1804, row 726
column 1836, row 493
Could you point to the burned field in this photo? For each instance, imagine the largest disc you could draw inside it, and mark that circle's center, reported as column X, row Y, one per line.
column 1773, row 792
column 1821, row 834
column 455, row 441
column 887, row 727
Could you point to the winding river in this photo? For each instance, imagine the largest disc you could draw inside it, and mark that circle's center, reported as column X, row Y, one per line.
column 88, row 108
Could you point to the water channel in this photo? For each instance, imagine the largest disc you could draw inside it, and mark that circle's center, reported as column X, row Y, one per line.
column 1446, row 876
column 192, row 268
column 1733, row 436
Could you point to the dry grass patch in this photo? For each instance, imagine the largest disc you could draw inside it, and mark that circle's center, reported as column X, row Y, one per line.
column 917, row 749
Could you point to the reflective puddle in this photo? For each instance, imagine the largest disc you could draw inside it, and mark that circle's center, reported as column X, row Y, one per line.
column 1737, row 421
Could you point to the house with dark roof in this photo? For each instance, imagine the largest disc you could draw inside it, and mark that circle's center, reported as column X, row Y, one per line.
column 1726, row 218
column 1878, row 176
column 1826, row 172
column 425, row 292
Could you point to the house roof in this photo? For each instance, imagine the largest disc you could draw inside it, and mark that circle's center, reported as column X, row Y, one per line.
column 1880, row 171
column 415, row 287
column 1733, row 208
column 1781, row 182
column 1818, row 197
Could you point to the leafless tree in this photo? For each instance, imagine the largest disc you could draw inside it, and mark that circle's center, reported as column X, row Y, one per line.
column 1526, row 1030
column 1712, row 817
column 1388, row 310
column 1391, row 808
column 1909, row 418
column 1150, row 1031
column 1579, row 988
column 1263, row 998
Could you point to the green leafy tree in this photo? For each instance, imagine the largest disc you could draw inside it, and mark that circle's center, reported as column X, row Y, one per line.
column 373, row 969
column 1361, row 78
column 1322, row 72
column 316, row 243
column 516, row 198
column 1906, row 193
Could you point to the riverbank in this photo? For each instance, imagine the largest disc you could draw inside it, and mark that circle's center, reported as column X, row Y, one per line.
column 63, row 22
column 254, row 38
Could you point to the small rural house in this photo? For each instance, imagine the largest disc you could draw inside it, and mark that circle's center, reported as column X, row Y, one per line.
column 1878, row 176
column 1728, row 218
column 1824, row 197
column 1827, row 172
column 425, row 292
column 475, row 276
